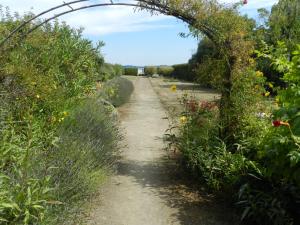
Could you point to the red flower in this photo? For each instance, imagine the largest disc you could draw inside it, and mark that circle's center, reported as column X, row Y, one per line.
column 278, row 123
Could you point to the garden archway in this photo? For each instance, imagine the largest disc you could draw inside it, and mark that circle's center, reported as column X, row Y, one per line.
column 220, row 23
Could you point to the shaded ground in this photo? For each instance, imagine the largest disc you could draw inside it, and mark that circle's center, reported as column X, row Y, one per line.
column 148, row 189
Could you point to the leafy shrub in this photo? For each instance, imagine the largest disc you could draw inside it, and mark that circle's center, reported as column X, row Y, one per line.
column 278, row 153
column 131, row 71
column 56, row 138
column 108, row 71
column 86, row 147
column 165, row 70
column 261, row 170
column 183, row 72
column 150, row 70
column 207, row 64
column 117, row 91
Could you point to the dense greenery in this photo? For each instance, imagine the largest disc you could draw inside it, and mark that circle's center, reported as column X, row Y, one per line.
column 259, row 168
column 284, row 23
column 133, row 71
column 109, row 71
column 150, row 70
column 58, row 136
column 165, row 70
column 182, row 72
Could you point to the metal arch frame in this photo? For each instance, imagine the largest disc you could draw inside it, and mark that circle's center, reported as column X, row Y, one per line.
column 152, row 5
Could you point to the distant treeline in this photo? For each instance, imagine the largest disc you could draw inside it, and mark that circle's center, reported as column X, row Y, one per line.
column 180, row 71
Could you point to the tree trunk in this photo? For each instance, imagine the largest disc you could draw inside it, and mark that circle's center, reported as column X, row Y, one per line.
column 227, row 124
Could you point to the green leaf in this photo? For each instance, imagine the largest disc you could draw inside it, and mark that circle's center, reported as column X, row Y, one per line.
column 27, row 217
column 296, row 139
column 38, row 207
column 245, row 213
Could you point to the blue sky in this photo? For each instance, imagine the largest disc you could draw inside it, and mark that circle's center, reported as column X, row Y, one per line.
column 132, row 38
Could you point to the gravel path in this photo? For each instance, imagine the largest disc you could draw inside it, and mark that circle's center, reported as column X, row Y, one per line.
column 147, row 189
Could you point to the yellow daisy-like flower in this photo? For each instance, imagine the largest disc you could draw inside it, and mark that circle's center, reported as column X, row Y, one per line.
column 259, row 74
column 267, row 94
column 37, row 96
column 183, row 119
column 173, row 88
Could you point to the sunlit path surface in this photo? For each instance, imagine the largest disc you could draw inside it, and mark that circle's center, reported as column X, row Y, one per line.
column 146, row 190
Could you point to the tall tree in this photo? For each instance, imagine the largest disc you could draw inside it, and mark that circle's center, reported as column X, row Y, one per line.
column 284, row 23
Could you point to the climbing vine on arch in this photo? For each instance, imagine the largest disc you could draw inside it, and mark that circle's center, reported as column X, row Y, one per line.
column 221, row 23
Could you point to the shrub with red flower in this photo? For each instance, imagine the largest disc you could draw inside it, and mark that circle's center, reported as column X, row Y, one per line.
column 192, row 105
column 205, row 105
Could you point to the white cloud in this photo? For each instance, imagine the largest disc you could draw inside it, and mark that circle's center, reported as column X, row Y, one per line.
column 253, row 4
column 106, row 20
column 115, row 19
column 96, row 21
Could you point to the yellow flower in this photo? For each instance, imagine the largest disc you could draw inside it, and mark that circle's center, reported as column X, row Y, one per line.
column 65, row 113
column 270, row 85
column 251, row 61
column 37, row 96
column 267, row 94
column 259, row 74
column 173, row 88
column 183, row 119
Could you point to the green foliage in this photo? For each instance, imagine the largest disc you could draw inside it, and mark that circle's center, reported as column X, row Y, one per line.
column 88, row 142
column 183, row 72
column 207, row 64
column 281, row 24
column 165, row 70
column 284, row 23
column 150, row 70
column 108, row 71
column 131, row 71
column 117, row 91
column 261, row 172
column 281, row 146
column 57, row 137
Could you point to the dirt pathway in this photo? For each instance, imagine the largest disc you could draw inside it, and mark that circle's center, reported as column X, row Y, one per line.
column 147, row 189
